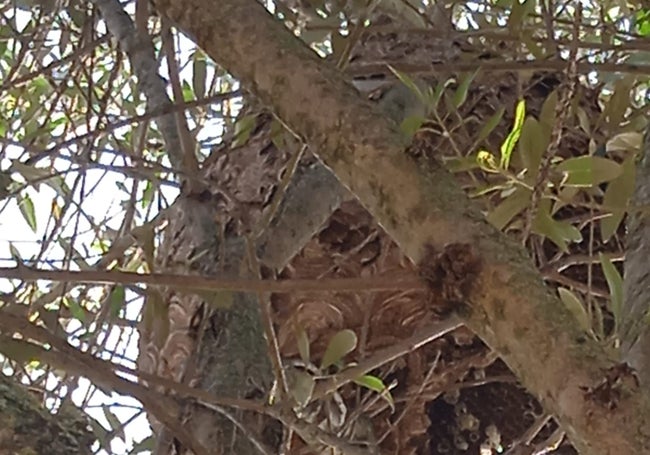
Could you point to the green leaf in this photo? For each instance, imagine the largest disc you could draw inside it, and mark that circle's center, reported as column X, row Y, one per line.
column 548, row 114
column 410, row 83
column 187, row 91
column 15, row 254
column 509, row 208
column 243, row 129
column 199, row 74
column 587, row 171
column 626, row 141
column 117, row 300
column 511, row 140
column 532, row 145
column 461, row 164
column 642, row 22
column 146, row 445
column 460, row 96
column 376, row 385
column 617, row 195
column 518, row 12
column 559, row 232
column 433, row 96
column 26, row 206
column 76, row 310
column 615, row 284
column 147, row 194
column 619, row 102
column 301, row 385
column 303, row 343
column 411, row 124
column 576, row 308
column 113, row 421
column 341, row 344
column 491, row 123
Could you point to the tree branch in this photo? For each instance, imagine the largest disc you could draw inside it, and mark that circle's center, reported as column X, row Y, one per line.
column 420, row 205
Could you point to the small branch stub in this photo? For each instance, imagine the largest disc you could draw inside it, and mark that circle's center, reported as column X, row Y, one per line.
column 450, row 274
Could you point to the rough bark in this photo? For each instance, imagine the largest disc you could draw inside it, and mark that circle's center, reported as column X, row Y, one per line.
column 420, row 205
column 28, row 428
column 636, row 289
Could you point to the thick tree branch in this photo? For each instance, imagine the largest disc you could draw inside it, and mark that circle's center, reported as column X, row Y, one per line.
column 511, row 309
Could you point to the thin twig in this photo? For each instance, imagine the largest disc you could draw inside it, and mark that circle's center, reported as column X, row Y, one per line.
column 272, row 344
column 562, row 112
column 208, row 283
column 259, row 445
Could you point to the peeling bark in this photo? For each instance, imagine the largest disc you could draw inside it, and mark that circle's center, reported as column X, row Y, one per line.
column 419, row 204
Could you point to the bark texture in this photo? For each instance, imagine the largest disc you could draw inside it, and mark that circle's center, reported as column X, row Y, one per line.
column 422, row 208
column 28, row 428
column 636, row 330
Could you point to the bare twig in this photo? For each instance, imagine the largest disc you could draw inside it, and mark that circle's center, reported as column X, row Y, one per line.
column 206, row 283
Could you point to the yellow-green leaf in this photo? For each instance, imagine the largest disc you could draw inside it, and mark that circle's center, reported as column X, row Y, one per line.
column 377, row 385
column 511, row 140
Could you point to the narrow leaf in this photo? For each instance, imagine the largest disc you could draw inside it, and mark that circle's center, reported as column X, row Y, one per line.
column 615, row 284
column 461, row 92
column 576, row 307
column 26, row 206
column 377, row 385
column 341, row 344
column 617, row 195
column 511, row 140
column 199, row 67
column 509, row 208
column 490, row 124
column 116, row 300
